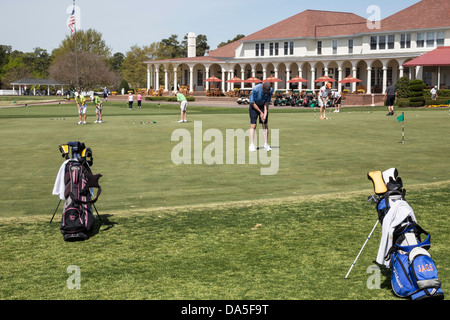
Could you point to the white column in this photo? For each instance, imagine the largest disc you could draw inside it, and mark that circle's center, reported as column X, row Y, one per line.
column 384, row 78
column 313, row 77
column 354, row 83
column 148, row 77
column 166, row 77
column 206, row 77
column 288, row 77
column 242, row 77
column 439, row 77
column 224, row 77
column 369, row 80
column 276, row 76
column 175, row 78
column 157, row 78
column 191, row 79
column 400, row 71
column 339, row 79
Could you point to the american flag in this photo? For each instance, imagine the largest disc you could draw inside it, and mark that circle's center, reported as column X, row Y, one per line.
column 71, row 23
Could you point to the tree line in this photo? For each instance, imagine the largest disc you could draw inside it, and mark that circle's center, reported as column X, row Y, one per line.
column 97, row 66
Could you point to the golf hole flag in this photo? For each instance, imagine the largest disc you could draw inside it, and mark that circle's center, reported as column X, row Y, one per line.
column 401, row 118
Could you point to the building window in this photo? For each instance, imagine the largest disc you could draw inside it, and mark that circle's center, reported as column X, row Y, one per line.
column 271, row 49
column 257, row 49
column 277, row 46
column 373, row 42
column 199, row 78
column 319, row 47
column 430, row 39
column 440, row 38
column 335, row 45
column 391, row 41
column 382, row 42
column 262, row 49
column 350, row 46
column 420, row 40
column 286, row 48
column 405, row 40
column 291, row 48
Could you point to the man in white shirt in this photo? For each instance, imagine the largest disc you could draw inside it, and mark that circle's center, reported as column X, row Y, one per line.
column 433, row 92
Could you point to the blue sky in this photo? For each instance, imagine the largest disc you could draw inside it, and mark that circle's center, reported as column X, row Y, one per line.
column 26, row 24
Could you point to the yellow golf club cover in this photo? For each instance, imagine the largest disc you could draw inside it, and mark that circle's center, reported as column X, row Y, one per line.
column 378, row 183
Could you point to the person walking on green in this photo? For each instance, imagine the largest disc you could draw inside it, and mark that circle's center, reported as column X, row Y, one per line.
column 98, row 108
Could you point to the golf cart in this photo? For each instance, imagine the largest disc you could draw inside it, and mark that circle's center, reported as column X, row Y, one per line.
column 280, row 99
column 244, row 96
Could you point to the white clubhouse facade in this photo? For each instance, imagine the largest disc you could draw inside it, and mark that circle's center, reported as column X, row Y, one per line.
column 316, row 43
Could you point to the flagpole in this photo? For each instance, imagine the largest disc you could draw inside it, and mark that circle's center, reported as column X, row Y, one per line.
column 403, row 128
column 75, row 39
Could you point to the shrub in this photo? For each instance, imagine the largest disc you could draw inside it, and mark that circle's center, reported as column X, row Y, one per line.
column 416, row 94
column 402, row 87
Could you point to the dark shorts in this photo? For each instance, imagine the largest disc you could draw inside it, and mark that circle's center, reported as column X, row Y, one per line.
column 254, row 115
column 390, row 101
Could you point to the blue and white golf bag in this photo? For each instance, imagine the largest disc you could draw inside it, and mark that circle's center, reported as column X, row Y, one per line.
column 404, row 244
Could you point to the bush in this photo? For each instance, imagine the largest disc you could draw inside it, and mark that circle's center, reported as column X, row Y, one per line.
column 416, row 94
column 402, row 103
column 402, row 87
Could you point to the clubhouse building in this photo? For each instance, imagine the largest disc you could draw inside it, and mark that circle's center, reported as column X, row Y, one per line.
column 414, row 42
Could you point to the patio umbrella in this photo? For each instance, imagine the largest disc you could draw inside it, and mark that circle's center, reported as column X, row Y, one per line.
column 235, row 80
column 350, row 79
column 213, row 79
column 297, row 79
column 252, row 80
column 325, row 79
column 272, row 79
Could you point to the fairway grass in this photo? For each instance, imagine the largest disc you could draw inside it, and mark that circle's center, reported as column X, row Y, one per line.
column 221, row 231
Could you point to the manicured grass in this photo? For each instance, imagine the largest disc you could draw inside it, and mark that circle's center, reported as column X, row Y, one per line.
column 185, row 231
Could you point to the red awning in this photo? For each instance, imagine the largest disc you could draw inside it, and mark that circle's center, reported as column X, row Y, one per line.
column 438, row 57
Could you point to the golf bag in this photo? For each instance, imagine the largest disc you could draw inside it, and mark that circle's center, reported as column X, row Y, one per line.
column 404, row 244
column 77, row 219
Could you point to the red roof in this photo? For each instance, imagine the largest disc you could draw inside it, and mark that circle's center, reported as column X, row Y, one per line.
column 438, row 57
column 422, row 15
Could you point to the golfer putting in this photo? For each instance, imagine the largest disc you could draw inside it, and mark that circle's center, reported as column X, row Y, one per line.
column 259, row 108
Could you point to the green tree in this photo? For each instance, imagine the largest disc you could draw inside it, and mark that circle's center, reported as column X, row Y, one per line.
column 238, row 37
column 116, row 62
column 87, row 41
column 14, row 70
column 170, row 48
column 134, row 71
column 201, row 45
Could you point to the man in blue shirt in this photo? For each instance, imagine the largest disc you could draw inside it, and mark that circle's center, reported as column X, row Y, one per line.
column 259, row 107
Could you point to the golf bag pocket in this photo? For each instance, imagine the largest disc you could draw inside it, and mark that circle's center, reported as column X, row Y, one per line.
column 401, row 281
column 424, row 274
column 74, row 222
column 414, row 275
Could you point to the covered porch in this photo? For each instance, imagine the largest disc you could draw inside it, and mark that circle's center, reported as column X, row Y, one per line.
column 24, row 83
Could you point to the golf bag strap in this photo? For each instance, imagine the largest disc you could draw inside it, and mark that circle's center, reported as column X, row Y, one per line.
column 92, row 201
column 417, row 230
